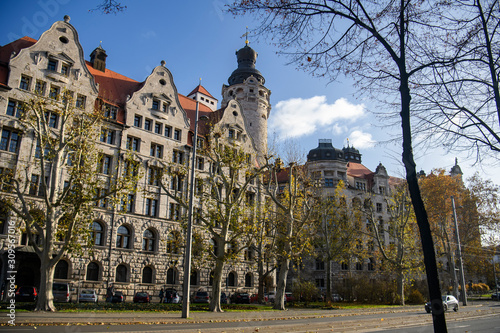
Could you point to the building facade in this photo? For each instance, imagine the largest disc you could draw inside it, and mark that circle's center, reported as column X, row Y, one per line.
column 137, row 249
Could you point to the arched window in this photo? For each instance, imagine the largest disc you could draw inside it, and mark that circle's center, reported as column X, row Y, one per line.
column 148, row 240
column 123, row 237
column 171, row 276
column 147, row 275
column 194, row 278
column 371, row 264
column 61, row 270
column 344, row 266
column 121, row 273
column 359, row 266
column 92, row 272
column 173, row 242
column 248, row 280
column 231, row 279
column 98, row 233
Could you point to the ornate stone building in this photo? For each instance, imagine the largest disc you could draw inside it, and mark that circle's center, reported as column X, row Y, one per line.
column 137, row 249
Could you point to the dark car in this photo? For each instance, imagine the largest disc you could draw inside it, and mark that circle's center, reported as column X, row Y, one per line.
column 449, row 302
column 26, row 294
column 201, row 297
column 240, row 298
column 170, row 295
column 118, row 297
column 223, row 298
column 495, row 296
column 142, row 297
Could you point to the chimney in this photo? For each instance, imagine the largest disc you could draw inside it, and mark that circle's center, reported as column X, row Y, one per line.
column 98, row 59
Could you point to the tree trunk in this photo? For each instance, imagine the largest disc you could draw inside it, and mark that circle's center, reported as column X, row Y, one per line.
column 279, row 300
column 260, row 296
column 419, row 208
column 216, row 286
column 45, row 301
column 328, row 296
column 401, row 288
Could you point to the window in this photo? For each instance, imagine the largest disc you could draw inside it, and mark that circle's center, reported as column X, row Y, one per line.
column 361, row 186
column 371, row 264
column 147, row 275
column 344, row 266
column 328, row 182
column 156, row 104
column 110, row 111
column 102, row 202
column 168, row 131
column 107, row 136
column 177, row 134
column 104, row 164
column 156, row 150
column 123, row 237
column 128, row 203
column 231, row 134
column 148, row 240
column 164, row 107
column 35, row 181
column 138, row 121
column 51, row 118
column 52, row 65
column 80, row 101
column 193, row 279
column 170, row 276
column 158, row 128
column 379, row 207
column 121, row 273
column 177, row 156
column 40, row 87
column 320, row 283
column 10, row 140
column 175, row 211
column 231, row 279
column 98, row 233
column 65, row 69
column 15, row 108
column 148, row 124
column 176, row 183
column 151, row 207
column 92, row 272
column 359, row 266
column 25, row 82
column 173, row 240
column 154, row 176
column 248, row 280
column 133, row 143
column 381, row 190
column 200, row 164
column 54, row 92
column 320, row 265
column 61, row 270
column 131, row 168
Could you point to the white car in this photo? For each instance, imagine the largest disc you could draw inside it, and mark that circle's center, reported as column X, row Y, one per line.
column 271, row 296
column 449, row 302
column 87, row 295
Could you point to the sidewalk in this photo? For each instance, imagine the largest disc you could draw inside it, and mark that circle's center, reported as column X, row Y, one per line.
column 144, row 317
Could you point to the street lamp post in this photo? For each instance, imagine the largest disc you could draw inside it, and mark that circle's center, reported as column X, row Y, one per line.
column 189, row 231
column 459, row 249
column 80, row 277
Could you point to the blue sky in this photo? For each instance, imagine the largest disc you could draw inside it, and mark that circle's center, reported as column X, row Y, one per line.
column 198, row 40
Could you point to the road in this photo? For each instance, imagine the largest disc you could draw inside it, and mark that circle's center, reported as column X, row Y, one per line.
column 485, row 318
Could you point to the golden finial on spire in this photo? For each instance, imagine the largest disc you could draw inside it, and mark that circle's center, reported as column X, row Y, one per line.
column 246, row 36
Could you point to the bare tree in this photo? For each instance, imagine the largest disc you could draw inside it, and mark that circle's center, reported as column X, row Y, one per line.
column 383, row 45
column 109, row 7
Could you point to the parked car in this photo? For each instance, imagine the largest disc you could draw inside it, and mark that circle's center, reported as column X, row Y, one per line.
column 26, row 294
column 449, row 302
column 288, row 297
column 223, row 298
column 118, row 297
column 240, row 298
column 201, row 297
column 254, row 298
column 271, row 296
column 495, row 296
column 171, row 296
column 87, row 295
column 141, row 297
column 61, row 292
column 336, row 298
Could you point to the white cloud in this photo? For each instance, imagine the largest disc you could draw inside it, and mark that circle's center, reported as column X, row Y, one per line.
column 361, row 140
column 298, row 117
column 338, row 130
column 149, row 34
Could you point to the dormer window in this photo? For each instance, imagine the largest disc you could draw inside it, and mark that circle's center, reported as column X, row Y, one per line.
column 110, row 111
column 156, row 104
column 52, row 65
column 65, row 69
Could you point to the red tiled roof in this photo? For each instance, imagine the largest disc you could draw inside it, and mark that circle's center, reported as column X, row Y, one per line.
column 202, row 90
column 6, row 52
column 358, row 170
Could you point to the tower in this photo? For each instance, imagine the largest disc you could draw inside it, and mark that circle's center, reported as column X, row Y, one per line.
column 246, row 85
